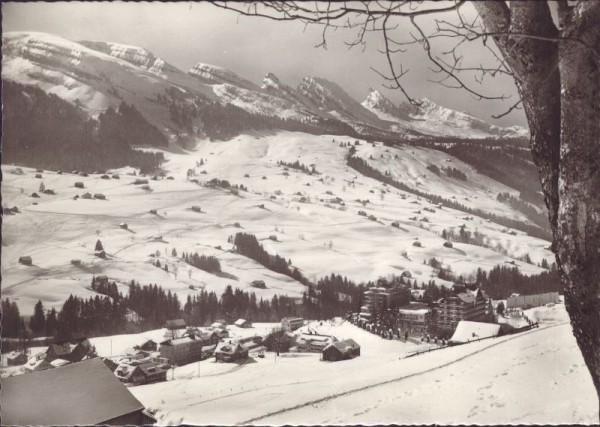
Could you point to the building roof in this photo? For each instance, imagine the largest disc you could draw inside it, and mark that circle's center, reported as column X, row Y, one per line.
column 345, row 345
column 89, row 393
column 224, row 347
column 151, row 368
column 241, row 322
column 178, row 341
column 469, row 331
column 175, row 324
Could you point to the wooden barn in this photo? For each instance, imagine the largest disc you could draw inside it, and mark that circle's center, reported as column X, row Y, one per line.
column 84, row 393
column 341, row 350
column 25, row 260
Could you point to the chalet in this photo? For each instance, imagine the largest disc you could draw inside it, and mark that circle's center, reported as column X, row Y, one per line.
column 314, row 343
column 37, row 364
column 76, row 262
column 124, row 226
column 35, row 195
column 72, row 350
column 25, row 260
column 230, row 352
column 86, row 196
column 196, row 208
column 243, row 323
column 79, row 184
column 16, row 358
column 341, row 350
column 466, row 303
column 180, row 351
column 148, row 345
column 292, row 323
column 89, row 394
column 99, row 196
column 175, row 324
column 143, row 373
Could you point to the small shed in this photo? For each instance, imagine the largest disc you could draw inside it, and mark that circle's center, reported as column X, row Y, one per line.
column 79, row 184
column 86, row 196
column 124, row 226
column 341, row 350
column 417, row 244
column 243, row 323
column 25, row 260
column 260, row 284
column 35, row 195
column 448, row 244
column 99, row 196
column 196, row 208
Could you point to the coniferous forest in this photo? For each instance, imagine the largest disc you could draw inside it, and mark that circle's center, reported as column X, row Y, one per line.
column 41, row 130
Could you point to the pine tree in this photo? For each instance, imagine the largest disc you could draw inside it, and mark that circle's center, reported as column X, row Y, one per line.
column 51, row 323
column 99, row 246
column 37, row 322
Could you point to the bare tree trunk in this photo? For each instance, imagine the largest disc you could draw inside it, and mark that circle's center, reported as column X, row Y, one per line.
column 577, row 238
column 559, row 83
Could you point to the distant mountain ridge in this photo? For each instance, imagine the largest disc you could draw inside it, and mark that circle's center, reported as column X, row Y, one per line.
column 95, row 75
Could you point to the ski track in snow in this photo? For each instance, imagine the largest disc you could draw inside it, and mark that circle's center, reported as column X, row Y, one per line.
column 393, row 380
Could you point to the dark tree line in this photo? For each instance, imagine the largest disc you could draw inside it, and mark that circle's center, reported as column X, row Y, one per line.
column 43, row 131
column 247, row 245
column 203, row 262
column 503, row 280
column 362, row 166
column 298, row 166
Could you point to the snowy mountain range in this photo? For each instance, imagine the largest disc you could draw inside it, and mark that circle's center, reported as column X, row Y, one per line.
column 96, row 75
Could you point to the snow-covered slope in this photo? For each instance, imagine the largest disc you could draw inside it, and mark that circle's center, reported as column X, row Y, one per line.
column 318, row 233
column 519, row 379
column 430, row 118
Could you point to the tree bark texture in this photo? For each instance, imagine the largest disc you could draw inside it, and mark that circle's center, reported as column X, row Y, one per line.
column 557, row 73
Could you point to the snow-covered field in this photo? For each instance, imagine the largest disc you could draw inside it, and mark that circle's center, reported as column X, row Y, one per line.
column 319, row 236
column 522, row 378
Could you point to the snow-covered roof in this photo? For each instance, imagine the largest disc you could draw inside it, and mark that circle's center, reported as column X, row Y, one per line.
column 469, row 331
column 89, row 394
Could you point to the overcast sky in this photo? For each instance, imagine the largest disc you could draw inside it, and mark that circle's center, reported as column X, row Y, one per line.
column 186, row 33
